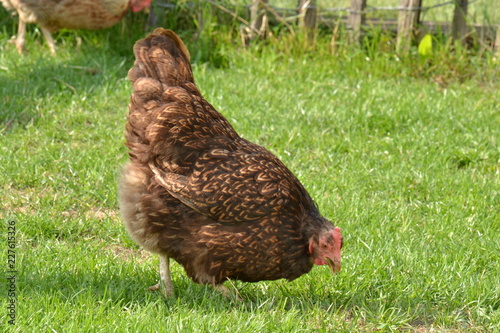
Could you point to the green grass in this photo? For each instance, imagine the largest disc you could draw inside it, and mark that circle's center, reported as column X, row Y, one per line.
column 402, row 154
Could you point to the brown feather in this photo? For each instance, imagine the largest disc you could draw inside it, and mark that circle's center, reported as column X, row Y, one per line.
column 195, row 191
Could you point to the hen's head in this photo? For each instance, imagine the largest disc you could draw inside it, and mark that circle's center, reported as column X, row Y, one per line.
column 138, row 5
column 325, row 248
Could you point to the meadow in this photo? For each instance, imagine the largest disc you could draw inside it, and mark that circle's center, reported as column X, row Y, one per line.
column 402, row 153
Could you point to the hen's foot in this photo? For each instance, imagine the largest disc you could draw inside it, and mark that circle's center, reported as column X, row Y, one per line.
column 167, row 292
column 228, row 293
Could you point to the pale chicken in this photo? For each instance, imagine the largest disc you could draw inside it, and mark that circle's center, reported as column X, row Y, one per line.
column 52, row 15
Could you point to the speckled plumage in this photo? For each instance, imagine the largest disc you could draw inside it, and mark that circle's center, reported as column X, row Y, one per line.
column 195, row 191
column 53, row 15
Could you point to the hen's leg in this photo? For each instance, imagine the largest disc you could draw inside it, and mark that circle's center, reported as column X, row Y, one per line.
column 165, row 285
column 21, row 36
column 50, row 40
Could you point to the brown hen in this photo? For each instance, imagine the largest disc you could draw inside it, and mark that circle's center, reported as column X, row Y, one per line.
column 53, row 15
column 195, row 191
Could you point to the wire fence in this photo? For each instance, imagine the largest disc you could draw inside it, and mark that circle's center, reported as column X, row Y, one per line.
column 360, row 16
column 369, row 9
column 372, row 8
column 385, row 8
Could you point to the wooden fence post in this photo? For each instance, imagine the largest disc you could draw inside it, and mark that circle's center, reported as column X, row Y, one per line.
column 307, row 14
column 459, row 25
column 157, row 13
column 409, row 17
column 497, row 42
column 258, row 18
column 356, row 19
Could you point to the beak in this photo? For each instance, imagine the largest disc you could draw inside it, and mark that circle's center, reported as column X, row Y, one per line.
column 334, row 265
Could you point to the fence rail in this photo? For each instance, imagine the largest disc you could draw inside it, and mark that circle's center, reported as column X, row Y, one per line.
column 407, row 26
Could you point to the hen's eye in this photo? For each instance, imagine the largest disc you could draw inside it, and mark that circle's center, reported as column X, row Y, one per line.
column 324, row 246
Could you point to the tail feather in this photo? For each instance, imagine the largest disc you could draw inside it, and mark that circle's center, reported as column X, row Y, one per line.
column 162, row 61
column 163, row 56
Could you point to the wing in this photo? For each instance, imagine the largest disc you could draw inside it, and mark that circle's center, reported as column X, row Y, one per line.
column 237, row 186
column 178, row 128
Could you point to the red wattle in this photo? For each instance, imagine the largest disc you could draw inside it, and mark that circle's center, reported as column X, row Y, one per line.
column 318, row 261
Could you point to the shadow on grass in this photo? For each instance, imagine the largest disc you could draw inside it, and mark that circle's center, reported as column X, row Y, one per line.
column 124, row 289
column 31, row 86
column 35, row 81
